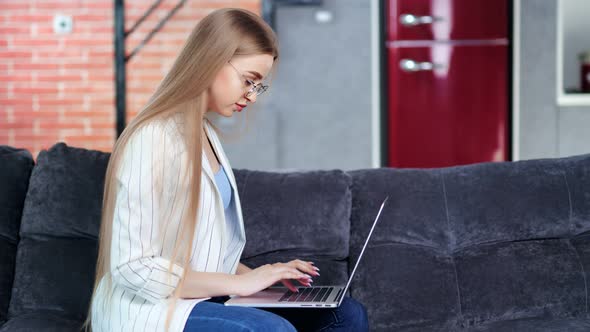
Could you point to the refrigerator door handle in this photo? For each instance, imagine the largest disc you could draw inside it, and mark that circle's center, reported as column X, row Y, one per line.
column 409, row 65
column 410, row 20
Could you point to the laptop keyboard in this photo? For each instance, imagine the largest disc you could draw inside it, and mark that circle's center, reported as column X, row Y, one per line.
column 309, row 294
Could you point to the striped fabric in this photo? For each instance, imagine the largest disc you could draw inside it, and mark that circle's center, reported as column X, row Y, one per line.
column 151, row 200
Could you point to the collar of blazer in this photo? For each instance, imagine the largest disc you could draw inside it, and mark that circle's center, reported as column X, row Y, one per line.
column 220, row 153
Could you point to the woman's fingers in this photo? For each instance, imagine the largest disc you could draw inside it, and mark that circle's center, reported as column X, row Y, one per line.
column 307, row 267
column 287, row 272
column 295, row 270
column 305, row 282
column 289, row 285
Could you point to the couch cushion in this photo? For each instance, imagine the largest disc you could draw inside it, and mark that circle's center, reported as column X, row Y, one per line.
column 406, row 278
column 543, row 324
column 57, row 253
column 471, row 245
column 292, row 215
column 42, row 322
column 15, row 169
column 511, row 225
column 520, row 279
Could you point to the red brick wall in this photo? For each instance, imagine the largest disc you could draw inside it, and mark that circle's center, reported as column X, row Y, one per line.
column 61, row 87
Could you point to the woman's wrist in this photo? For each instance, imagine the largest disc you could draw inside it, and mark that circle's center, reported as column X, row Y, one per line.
column 209, row 284
column 242, row 269
column 236, row 285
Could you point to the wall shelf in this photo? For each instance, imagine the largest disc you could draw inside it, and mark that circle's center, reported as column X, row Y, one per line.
column 573, row 99
column 572, row 38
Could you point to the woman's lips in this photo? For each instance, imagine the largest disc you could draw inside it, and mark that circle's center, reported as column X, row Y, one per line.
column 240, row 107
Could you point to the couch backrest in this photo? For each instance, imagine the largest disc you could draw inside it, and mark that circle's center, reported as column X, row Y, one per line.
column 297, row 215
column 57, row 251
column 462, row 246
column 15, row 169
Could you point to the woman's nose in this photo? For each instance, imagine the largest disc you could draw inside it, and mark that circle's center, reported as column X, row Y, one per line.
column 251, row 98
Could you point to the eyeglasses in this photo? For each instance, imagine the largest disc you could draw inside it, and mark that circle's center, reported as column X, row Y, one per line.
column 254, row 87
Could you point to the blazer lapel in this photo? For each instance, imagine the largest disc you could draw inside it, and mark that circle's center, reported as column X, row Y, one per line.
column 207, row 167
column 221, row 155
column 228, row 170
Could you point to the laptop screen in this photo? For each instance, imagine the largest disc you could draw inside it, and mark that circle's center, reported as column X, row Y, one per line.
column 362, row 251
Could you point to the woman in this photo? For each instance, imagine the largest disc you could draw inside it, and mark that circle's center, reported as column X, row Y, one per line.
column 172, row 231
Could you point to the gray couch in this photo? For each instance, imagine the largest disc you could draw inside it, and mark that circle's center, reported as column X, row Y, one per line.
column 484, row 247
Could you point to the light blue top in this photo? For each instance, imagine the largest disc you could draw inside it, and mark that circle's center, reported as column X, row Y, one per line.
column 224, row 186
column 232, row 228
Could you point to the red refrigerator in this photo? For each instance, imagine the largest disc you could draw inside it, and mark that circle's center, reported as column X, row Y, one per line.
column 447, row 82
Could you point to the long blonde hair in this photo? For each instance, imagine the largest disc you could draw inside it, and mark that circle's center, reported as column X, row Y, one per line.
column 212, row 43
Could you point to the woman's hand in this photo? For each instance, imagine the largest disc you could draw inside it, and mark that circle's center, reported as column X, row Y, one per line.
column 302, row 266
column 267, row 275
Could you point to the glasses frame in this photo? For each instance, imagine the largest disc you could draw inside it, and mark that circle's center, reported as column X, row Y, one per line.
column 259, row 88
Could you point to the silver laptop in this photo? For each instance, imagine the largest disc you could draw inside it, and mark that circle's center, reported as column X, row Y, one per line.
column 307, row 297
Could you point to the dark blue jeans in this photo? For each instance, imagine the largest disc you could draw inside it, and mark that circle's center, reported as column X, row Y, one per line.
column 211, row 316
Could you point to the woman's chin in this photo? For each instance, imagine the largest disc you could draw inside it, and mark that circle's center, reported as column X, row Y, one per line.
column 225, row 112
column 228, row 113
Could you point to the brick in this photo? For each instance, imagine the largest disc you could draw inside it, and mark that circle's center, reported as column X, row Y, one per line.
column 146, row 90
column 16, row 101
column 93, row 28
column 68, row 101
column 59, row 54
column 6, row 54
column 46, row 138
column 91, row 65
column 60, row 125
column 92, row 17
column 13, row 29
column 18, row 110
column 102, row 101
column 37, row 115
column 35, row 66
column 110, row 53
column 100, row 5
column 146, row 77
column 103, row 148
column 13, row 6
column 30, row 42
column 106, row 125
column 101, row 76
column 30, row 18
column 16, row 125
column 21, row 131
column 50, row 102
column 159, row 54
column 94, row 115
column 102, row 95
column 93, row 41
column 35, row 90
column 59, row 78
column 75, row 90
column 57, row 5
column 146, row 64
column 87, row 138
column 17, row 77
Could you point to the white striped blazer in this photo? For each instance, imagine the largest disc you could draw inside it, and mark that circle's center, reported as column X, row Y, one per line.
column 146, row 226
